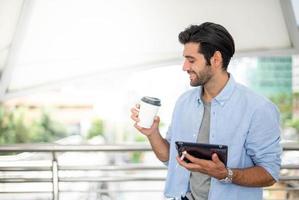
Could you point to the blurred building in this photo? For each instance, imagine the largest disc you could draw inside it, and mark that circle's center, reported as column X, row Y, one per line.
column 272, row 76
column 295, row 85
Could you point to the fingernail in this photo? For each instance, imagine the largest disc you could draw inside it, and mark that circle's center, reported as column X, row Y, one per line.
column 183, row 155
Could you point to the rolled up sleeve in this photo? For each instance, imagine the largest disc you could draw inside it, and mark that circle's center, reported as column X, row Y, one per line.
column 168, row 139
column 263, row 141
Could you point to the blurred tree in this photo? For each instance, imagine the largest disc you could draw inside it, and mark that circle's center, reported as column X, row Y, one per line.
column 293, row 123
column 46, row 129
column 97, row 128
column 3, row 125
column 285, row 106
column 14, row 128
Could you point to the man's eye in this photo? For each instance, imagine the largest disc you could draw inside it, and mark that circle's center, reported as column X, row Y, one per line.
column 191, row 61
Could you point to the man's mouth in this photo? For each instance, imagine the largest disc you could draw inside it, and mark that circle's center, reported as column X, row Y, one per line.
column 192, row 75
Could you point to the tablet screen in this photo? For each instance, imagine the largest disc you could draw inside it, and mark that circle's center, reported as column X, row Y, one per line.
column 202, row 150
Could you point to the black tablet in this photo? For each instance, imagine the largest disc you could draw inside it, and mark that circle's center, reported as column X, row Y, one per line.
column 202, row 151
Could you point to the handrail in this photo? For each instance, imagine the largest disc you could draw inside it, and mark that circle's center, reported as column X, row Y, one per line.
column 290, row 146
column 46, row 147
column 128, row 167
column 74, row 148
column 54, row 166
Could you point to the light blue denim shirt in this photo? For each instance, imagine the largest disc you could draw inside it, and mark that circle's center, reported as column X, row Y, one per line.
column 248, row 123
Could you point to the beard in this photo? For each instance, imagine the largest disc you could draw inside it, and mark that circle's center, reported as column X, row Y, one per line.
column 200, row 78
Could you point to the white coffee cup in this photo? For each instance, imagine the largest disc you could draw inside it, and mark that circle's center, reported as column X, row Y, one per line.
column 149, row 107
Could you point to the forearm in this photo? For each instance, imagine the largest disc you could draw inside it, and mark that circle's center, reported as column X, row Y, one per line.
column 252, row 177
column 160, row 146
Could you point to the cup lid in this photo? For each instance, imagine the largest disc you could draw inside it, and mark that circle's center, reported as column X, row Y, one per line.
column 151, row 100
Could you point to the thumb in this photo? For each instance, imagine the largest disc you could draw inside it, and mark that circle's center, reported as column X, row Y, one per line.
column 215, row 158
column 156, row 121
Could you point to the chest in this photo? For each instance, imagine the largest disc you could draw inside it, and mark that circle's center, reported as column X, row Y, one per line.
column 228, row 124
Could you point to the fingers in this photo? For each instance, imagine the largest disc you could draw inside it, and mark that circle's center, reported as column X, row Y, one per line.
column 201, row 164
column 190, row 166
column 156, row 122
column 134, row 115
column 135, row 109
column 135, row 112
column 139, row 128
column 196, row 160
column 215, row 158
column 213, row 168
column 191, row 158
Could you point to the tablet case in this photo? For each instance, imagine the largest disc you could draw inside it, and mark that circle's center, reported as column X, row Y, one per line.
column 202, row 151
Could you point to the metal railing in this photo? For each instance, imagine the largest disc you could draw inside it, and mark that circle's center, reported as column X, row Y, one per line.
column 55, row 168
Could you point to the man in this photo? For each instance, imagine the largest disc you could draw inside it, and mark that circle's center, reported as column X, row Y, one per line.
column 217, row 111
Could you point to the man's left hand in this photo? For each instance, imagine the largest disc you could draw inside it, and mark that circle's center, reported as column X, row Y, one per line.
column 214, row 167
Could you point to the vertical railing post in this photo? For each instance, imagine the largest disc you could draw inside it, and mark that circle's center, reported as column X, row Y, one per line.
column 55, row 177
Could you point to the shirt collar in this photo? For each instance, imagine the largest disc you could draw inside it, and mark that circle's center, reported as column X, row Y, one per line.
column 198, row 95
column 225, row 93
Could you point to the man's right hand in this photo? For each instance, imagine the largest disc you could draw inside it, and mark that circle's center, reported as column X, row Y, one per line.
column 158, row 143
column 146, row 131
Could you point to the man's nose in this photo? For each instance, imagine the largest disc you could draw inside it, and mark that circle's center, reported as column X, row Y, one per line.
column 186, row 65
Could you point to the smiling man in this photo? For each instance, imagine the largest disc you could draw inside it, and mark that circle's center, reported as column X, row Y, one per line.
column 217, row 111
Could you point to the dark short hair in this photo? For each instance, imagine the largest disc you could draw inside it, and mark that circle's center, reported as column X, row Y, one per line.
column 211, row 37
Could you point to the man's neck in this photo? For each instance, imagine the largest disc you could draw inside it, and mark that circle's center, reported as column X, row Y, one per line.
column 214, row 86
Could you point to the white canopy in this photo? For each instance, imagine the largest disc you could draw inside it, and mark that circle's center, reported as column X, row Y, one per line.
column 45, row 43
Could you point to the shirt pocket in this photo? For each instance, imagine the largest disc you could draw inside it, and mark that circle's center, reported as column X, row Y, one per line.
column 235, row 140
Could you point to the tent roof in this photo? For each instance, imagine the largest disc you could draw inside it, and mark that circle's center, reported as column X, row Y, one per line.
column 50, row 42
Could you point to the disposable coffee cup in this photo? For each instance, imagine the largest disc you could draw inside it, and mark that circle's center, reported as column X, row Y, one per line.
column 149, row 107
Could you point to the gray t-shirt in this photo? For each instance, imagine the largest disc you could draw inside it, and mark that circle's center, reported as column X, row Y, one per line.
column 200, row 183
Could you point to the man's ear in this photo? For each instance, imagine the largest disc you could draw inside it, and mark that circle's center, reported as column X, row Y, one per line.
column 216, row 59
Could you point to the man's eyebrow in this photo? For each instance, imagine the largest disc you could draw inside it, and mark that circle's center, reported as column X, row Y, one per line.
column 190, row 57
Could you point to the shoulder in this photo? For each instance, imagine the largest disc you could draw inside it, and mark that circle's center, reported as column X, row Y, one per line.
column 189, row 95
column 187, row 100
column 255, row 100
